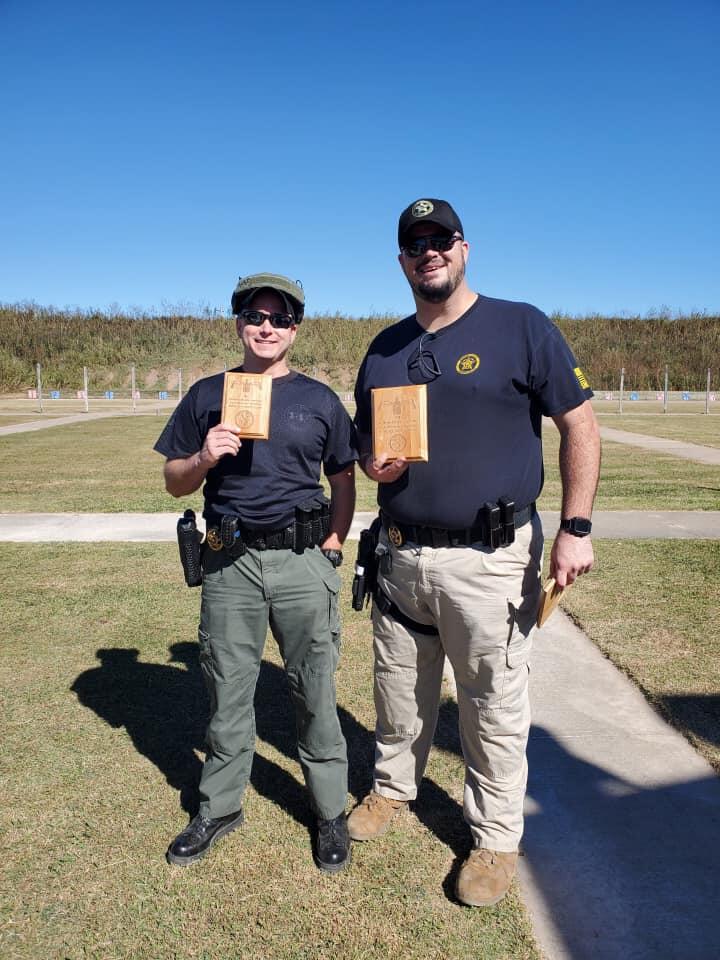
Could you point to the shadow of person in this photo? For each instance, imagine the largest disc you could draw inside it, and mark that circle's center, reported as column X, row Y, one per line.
column 162, row 708
column 623, row 869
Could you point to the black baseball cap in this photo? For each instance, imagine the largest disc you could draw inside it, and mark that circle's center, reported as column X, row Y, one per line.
column 291, row 292
column 432, row 211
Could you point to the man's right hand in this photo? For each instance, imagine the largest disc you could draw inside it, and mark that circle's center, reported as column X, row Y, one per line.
column 220, row 441
column 381, row 470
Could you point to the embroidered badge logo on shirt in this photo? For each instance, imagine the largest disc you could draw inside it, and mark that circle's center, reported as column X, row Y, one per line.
column 582, row 379
column 468, row 363
column 422, row 208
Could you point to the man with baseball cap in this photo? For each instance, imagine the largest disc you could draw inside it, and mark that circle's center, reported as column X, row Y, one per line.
column 272, row 547
column 460, row 575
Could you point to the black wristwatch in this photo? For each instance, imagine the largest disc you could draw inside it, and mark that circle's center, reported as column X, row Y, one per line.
column 577, row 526
column 334, row 556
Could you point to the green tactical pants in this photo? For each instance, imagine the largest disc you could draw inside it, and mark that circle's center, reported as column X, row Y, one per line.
column 297, row 596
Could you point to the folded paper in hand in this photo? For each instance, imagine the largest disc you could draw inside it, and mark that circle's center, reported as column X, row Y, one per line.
column 549, row 599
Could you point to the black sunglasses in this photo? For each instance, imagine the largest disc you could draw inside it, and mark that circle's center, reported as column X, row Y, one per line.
column 255, row 318
column 414, row 248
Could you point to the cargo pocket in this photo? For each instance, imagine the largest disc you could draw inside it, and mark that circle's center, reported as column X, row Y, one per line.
column 207, row 667
column 331, row 579
column 522, row 621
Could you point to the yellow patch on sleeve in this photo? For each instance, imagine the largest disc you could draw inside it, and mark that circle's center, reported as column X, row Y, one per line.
column 582, row 379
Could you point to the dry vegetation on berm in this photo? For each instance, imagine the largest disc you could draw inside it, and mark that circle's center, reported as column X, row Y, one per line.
column 330, row 347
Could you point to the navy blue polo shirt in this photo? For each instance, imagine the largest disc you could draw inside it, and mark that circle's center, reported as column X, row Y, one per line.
column 502, row 366
column 268, row 478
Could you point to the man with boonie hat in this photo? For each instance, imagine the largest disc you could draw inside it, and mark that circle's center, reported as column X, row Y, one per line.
column 272, row 547
column 461, row 541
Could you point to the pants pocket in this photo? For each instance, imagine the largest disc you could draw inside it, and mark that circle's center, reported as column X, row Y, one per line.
column 522, row 614
column 207, row 667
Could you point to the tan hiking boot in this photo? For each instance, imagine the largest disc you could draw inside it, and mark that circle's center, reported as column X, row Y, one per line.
column 372, row 816
column 485, row 877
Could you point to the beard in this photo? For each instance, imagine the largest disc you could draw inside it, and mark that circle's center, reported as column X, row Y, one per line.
column 431, row 293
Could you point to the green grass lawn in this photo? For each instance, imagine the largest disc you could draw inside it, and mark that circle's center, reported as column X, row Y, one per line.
column 109, row 466
column 653, row 607
column 691, row 428
column 103, row 714
column 103, row 722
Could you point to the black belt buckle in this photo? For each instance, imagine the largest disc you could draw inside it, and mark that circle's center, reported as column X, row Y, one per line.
column 491, row 514
column 439, row 538
column 507, row 520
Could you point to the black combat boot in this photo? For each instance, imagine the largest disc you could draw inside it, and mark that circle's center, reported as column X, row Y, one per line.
column 199, row 835
column 332, row 851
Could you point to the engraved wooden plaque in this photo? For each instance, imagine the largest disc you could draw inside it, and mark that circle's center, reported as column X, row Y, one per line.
column 246, row 404
column 399, row 422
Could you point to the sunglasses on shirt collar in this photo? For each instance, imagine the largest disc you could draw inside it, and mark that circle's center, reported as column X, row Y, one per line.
column 256, row 318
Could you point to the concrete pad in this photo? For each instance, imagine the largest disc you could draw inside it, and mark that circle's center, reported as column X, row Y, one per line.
column 31, row 425
column 677, row 448
column 622, row 837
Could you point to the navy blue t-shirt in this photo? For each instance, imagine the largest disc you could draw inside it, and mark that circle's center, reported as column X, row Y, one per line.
column 502, row 366
column 268, row 478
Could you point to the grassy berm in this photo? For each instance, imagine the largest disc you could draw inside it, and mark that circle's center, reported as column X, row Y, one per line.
column 329, row 347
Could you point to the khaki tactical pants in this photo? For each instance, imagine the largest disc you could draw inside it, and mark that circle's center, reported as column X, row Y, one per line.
column 484, row 605
column 297, row 596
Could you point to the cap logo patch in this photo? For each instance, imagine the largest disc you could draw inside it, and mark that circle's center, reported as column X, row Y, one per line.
column 422, row 208
column 581, row 379
column 468, row 363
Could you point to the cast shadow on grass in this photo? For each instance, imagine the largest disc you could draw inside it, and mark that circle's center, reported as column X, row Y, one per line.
column 164, row 710
column 165, row 713
column 697, row 713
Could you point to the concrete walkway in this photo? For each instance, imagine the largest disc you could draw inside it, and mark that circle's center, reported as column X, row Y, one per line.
column 622, row 841
column 159, row 527
column 622, row 837
column 677, row 448
column 31, row 425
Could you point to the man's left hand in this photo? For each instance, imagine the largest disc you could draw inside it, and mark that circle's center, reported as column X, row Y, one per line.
column 570, row 557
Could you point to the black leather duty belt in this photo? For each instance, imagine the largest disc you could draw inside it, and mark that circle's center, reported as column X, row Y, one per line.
column 269, row 539
column 240, row 538
column 497, row 529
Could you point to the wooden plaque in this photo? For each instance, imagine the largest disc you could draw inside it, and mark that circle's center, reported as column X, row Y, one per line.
column 246, row 404
column 549, row 599
column 399, row 422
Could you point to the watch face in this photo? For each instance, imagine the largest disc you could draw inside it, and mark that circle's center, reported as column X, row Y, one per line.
column 579, row 526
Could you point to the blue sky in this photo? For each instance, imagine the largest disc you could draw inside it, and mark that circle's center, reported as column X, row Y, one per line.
column 152, row 152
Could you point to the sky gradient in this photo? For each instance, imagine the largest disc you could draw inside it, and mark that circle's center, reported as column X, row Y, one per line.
column 154, row 152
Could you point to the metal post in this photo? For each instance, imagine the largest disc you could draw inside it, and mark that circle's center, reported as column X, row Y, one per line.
column 707, row 393
column 132, row 388
column 622, row 386
column 179, row 385
column 39, row 387
column 85, row 389
column 665, row 394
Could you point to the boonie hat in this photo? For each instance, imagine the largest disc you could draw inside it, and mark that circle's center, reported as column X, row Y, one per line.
column 291, row 292
column 431, row 210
